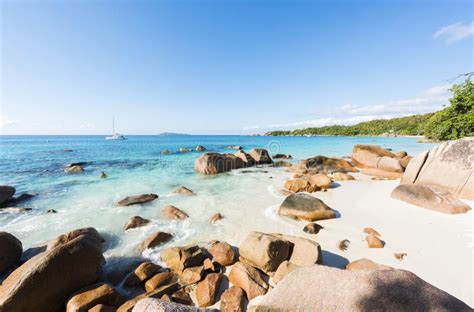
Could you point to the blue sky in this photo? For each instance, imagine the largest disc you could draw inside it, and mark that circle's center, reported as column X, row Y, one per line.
column 225, row 67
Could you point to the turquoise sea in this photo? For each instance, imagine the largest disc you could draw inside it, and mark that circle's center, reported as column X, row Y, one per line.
column 34, row 165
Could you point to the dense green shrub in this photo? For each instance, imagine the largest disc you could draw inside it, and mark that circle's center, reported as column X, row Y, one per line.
column 456, row 120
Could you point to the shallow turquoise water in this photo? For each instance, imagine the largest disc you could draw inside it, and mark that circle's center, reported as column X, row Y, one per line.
column 34, row 164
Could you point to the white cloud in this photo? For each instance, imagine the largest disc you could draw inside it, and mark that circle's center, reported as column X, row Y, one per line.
column 428, row 100
column 6, row 122
column 455, row 32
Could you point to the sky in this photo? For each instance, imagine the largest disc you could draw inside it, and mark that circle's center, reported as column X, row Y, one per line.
column 225, row 67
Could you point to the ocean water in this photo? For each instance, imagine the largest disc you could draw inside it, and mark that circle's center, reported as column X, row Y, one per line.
column 34, row 164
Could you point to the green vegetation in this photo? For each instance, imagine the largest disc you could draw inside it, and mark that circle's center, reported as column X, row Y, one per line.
column 456, row 120
column 453, row 122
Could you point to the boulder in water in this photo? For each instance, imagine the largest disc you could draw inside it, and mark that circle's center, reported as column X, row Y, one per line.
column 134, row 222
column 171, row 212
column 139, row 199
column 212, row 163
column 261, row 156
column 6, row 193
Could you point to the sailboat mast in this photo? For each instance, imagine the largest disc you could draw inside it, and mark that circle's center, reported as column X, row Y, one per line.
column 113, row 124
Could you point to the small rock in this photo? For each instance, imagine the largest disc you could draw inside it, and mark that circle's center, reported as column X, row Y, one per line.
column 344, row 244
column 67, row 150
column 73, row 169
column 200, row 148
column 143, row 272
column 88, row 297
column 249, row 279
column 139, row 199
column 216, row 217
column 374, row 242
column 399, row 256
column 192, row 275
column 103, row 175
column 232, row 300
column 155, row 239
column 171, row 212
column 165, row 152
column 183, row 190
column 365, row 264
column 210, row 265
column 51, row 211
column 235, row 147
column 222, row 253
column 312, row 228
column 281, row 156
column 369, row 230
column 184, row 150
column 340, row 176
column 180, row 258
column 134, row 222
column 159, row 280
column 182, row 297
column 207, row 289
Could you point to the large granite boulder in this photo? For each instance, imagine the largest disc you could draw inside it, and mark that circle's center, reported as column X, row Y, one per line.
column 10, row 251
column 6, row 193
column 430, row 197
column 212, row 163
column 65, row 238
column 449, row 165
column 264, row 251
column 222, row 253
column 305, row 207
column 44, row 282
column 304, row 251
column 325, row 165
column 321, row 288
column 261, row 156
column 207, row 289
column 232, row 300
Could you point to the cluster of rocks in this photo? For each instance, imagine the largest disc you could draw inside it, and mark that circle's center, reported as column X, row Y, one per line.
column 213, row 163
column 377, row 161
column 10, row 202
column 438, row 178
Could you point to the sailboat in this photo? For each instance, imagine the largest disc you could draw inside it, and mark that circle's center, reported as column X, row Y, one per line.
column 115, row 135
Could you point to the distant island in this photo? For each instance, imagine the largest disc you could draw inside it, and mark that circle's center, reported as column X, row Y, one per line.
column 453, row 122
column 173, row 134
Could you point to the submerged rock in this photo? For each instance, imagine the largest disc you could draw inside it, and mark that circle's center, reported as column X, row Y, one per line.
column 139, row 199
column 72, row 168
column 156, row 239
column 171, row 212
column 6, row 193
column 281, row 156
column 134, row 222
column 340, row 290
column 183, row 190
column 430, row 197
column 52, row 276
column 184, row 150
column 10, row 251
column 305, row 207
